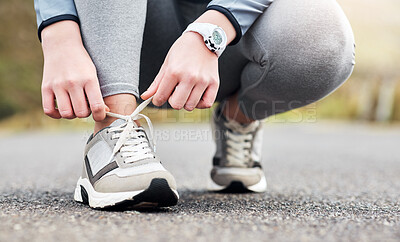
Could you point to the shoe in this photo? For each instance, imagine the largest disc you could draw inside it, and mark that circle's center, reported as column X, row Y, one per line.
column 236, row 163
column 121, row 169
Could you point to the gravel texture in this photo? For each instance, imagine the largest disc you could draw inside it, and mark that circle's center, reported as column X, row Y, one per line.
column 327, row 182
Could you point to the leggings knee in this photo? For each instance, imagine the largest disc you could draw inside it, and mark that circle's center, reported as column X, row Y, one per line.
column 295, row 80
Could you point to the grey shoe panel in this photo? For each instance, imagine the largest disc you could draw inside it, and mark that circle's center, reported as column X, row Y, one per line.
column 103, row 171
column 256, row 144
column 248, row 176
column 84, row 171
column 113, row 183
column 102, row 136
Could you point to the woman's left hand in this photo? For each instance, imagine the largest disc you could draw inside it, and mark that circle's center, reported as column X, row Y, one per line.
column 188, row 77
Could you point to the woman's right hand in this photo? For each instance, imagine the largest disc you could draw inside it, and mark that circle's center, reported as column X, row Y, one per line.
column 69, row 75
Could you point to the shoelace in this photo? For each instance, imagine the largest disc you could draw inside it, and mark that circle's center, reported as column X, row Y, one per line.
column 238, row 147
column 132, row 139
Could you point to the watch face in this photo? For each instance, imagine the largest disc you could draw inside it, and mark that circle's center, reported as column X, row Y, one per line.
column 217, row 37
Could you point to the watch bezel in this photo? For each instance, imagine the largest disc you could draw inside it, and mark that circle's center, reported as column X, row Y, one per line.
column 221, row 32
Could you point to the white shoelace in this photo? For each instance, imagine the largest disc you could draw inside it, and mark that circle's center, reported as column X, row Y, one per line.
column 132, row 140
column 238, row 145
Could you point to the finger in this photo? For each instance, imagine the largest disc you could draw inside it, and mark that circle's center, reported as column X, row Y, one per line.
column 79, row 102
column 96, row 102
column 165, row 88
column 154, row 85
column 179, row 97
column 64, row 104
column 208, row 97
column 195, row 97
column 49, row 106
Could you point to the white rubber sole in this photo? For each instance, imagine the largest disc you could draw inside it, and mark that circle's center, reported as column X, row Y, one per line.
column 101, row 200
column 259, row 187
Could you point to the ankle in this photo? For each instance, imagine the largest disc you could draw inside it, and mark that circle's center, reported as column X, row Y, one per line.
column 231, row 111
column 123, row 104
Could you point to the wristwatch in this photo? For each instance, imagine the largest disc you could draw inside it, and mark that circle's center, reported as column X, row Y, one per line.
column 214, row 36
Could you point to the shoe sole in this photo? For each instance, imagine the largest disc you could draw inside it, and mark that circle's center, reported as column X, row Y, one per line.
column 158, row 194
column 236, row 186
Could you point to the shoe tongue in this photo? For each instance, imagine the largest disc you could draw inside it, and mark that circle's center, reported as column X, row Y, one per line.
column 119, row 122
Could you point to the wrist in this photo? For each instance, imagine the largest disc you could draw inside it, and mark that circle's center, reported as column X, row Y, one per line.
column 60, row 35
column 197, row 40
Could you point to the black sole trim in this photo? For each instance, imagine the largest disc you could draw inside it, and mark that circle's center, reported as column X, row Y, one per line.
column 84, row 195
column 158, row 194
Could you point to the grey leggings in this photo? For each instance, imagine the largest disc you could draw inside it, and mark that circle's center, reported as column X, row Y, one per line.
column 296, row 53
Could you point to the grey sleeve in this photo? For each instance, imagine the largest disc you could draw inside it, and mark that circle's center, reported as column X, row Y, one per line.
column 52, row 11
column 241, row 13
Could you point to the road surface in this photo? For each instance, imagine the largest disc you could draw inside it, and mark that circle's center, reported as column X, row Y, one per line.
column 327, row 181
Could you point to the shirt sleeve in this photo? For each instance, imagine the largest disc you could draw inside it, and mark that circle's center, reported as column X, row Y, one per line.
column 51, row 11
column 241, row 13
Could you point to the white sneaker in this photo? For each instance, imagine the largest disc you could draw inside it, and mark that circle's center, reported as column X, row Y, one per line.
column 122, row 170
column 236, row 163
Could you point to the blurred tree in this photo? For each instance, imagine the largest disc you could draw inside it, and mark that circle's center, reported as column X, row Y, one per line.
column 377, row 32
column 20, row 58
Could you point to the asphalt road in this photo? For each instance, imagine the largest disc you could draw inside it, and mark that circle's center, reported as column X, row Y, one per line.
column 327, row 182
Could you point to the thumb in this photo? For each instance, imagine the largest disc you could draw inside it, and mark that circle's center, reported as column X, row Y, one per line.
column 150, row 91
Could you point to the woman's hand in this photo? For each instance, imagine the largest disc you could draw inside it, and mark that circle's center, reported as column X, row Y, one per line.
column 189, row 76
column 69, row 75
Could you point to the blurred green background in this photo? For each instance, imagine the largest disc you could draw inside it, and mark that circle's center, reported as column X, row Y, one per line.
column 371, row 94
